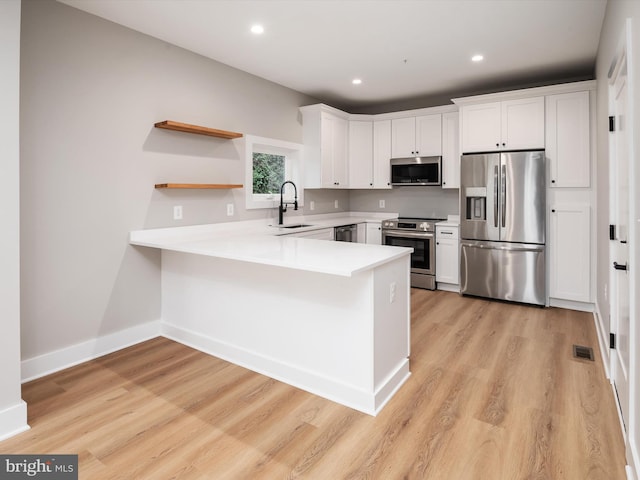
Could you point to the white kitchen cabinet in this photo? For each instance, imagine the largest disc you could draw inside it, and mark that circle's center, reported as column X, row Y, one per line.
column 567, row 140
column 323, row 234
column 325, row 133
column 447, row 263
column 361, row 233
column 416, row 136
column 361, row 161
column 506, row 125
column 374, row 233
column 569, row 247
column 450, row 150
column 382, row 154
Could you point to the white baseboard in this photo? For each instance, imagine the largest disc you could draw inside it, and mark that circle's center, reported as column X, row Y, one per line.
column 55, row 361
column 448, row 287
column 603, row 341
column 364, row 401
column 633, row 460
column 571, row 305
column 13, row 420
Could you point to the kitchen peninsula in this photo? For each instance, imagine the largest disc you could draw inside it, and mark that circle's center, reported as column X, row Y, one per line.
column 331, row 318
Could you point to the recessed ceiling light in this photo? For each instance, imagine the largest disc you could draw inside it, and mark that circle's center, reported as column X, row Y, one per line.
column 356, row 81
column 257, row 29
column 477, row 58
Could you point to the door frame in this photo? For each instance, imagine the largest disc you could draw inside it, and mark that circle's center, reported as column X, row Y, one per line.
column 624, row 56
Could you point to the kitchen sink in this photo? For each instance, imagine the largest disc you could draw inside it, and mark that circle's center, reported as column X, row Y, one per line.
column 297, row 225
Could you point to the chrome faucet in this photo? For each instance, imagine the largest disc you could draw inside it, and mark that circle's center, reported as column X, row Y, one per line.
column 283, row 205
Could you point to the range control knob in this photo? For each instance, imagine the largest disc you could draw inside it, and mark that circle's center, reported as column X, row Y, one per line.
column 422, row 226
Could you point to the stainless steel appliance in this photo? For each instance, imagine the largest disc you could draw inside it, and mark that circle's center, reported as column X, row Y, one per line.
column 416, row 171
column 419, row 234
column 346, row 233
column 502, row 226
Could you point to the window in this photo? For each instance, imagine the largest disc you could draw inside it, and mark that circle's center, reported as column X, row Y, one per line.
column 269, row 163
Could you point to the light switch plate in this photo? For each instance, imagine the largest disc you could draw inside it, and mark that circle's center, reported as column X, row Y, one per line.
column 177, row 212
column 229, row 209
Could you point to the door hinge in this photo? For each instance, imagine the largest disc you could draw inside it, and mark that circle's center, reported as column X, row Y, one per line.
column 612, row 340
column 612, row 124
column 612, row 232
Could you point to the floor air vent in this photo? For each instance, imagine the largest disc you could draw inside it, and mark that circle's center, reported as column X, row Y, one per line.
column 583, row 352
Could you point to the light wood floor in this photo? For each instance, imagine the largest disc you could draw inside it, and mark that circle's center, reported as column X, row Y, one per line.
column 495, row 393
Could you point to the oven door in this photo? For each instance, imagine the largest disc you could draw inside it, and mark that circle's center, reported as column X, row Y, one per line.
column 423, row 258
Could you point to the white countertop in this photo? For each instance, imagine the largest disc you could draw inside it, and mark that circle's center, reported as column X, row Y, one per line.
column 451, row 221
column 257, row 242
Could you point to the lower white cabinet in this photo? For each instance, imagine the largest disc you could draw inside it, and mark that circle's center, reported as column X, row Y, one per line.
column 569, row 248
column 323, row 234
column 374, row 233
column 447, row 254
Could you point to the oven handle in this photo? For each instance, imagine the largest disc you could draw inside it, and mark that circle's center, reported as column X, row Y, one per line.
column 402, row 234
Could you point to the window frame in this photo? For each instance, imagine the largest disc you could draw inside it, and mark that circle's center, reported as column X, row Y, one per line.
column 293, row 170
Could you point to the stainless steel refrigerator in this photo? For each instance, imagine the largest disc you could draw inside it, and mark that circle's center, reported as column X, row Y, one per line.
column 502, row 226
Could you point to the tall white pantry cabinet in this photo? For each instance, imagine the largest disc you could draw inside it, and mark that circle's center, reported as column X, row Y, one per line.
column 560, row 119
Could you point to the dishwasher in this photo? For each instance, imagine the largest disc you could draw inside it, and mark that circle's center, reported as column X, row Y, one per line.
column 346, row 233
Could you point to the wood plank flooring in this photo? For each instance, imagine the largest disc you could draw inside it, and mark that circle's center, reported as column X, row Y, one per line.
column 495, row 393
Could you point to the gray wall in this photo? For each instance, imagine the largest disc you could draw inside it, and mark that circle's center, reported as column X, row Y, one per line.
column 10, row 395
column 90, row 93
column 616, row 14
column 433, row 202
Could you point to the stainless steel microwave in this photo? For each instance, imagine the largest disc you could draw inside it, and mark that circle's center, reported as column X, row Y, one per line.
column 416, row 171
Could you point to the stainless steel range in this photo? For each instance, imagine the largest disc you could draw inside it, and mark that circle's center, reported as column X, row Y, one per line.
column 419, row 234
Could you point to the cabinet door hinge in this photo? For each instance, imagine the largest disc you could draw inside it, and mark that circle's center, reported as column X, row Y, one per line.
column 612, row 340
column 612, row 124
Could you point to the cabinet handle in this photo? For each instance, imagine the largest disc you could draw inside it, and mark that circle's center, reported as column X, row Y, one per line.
column 497, row 144
column 371, row 184
column 553, row 210
column 617, row 266
column 437, row 243
column 553, row 181
column 504, row 144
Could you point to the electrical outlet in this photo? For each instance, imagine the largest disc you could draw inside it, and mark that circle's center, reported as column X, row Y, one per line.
column 177, row 212
column 229, row 209
column 381, row 203
column 392, row 292
column 336, row 204
column 312, row 205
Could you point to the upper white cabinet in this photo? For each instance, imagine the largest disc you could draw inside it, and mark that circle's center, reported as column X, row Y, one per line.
column 325, row 133
column 416, row 136
column 507, row 125
column 382, row 154
column 450, row 150
column 567, row 140
column 369, row 154
column 360, row 154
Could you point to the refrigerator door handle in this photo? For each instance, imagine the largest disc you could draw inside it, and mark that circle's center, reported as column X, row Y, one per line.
column 504, row 194
column 495, row 197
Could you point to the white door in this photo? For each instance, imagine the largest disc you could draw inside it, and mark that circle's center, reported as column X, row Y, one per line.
column 619, row 196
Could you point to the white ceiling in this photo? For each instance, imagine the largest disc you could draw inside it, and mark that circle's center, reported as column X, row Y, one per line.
column 401, row 49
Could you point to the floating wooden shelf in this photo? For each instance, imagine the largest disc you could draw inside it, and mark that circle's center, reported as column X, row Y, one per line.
column 185, row 127
column 217, row 186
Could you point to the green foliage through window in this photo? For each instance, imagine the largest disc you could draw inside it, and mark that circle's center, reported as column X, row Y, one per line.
column 268, row 172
